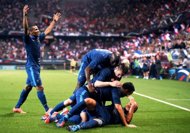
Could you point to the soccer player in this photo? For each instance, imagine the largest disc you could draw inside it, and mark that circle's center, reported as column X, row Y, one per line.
column 94, row 61
column 32, row 40
column 105, row 94
column 73, row 65
column 107, row 115
column 103, row 78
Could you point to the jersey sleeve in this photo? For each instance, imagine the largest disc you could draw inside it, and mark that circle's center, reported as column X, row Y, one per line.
column 94, row 63
column 115, row 96
column 42, row 36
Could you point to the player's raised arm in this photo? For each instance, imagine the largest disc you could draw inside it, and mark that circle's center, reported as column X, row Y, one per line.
column 56, row 17
column 25, row 19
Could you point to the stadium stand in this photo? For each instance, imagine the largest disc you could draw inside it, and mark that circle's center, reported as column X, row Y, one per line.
column 134, row 28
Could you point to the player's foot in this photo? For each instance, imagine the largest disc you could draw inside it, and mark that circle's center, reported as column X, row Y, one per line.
column 65, row 111
column 73, row 128
column 61, row 122
column 49, row 119
column 18, row 110
column 47, row 114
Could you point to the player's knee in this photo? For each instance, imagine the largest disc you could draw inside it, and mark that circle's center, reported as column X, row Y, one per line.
column 90, row 101
column 99, row 121
column 67, row 102
column 40, row 88
column 28, row 87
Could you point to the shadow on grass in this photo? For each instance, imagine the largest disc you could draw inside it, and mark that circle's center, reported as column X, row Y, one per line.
column 11, row 114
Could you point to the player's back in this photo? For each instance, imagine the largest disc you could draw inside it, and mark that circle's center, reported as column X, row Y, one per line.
column 98, row 54
column 106, row 74
column 106, row 93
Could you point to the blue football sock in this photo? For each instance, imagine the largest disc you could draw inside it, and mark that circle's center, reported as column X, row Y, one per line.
column 42, row 99
column 58, row 107
column 23, row 96
column 76, row 119
column 59, row 116
column 89, row 124
column 77, row 108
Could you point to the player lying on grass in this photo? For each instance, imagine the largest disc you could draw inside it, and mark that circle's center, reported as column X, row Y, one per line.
column 94, row 61
column 32, row 40
column 104, row 94
column 103, row 78
column 103, row 115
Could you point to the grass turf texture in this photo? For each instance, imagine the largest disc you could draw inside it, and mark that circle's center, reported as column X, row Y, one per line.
column 151, row 116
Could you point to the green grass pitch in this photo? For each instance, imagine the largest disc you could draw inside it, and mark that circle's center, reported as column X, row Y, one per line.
column 151, row 117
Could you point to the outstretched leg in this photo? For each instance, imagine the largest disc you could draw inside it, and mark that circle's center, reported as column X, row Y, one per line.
column 22, row 99
column 88, row 102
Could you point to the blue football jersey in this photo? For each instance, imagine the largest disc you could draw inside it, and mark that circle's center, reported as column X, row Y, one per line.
column 98, row 58
column 106, row 74
column 32, row 46
column 106, row 93
column 109, row 94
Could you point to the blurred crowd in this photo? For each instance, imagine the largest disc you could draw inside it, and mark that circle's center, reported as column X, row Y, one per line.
column 92, row 16
column 142, row 57
column 148, row 56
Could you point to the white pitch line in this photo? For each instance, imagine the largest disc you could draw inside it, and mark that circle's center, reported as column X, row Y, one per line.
column 152, row 98
column 172, row 99
column 161, row 101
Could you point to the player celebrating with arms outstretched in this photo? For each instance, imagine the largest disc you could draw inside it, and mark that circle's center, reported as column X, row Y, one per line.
column 32, row 40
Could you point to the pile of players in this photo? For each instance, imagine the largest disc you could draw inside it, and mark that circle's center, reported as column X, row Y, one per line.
column 88, row 100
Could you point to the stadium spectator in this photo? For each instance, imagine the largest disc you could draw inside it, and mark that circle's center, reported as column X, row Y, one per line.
column 101, row 21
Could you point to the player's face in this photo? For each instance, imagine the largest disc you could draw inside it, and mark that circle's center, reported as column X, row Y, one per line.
column 118, row 72
column 35, row 31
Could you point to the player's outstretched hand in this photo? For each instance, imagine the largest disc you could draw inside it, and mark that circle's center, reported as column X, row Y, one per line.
column 131, row 126
column 56, row 16
column 25, row 10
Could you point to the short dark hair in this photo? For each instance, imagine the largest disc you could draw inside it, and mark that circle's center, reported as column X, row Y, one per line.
column 128, row 86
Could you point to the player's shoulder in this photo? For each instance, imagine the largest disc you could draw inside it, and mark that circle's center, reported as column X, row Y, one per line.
column 115, row 90
column 102, row 51
column 107, row 70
